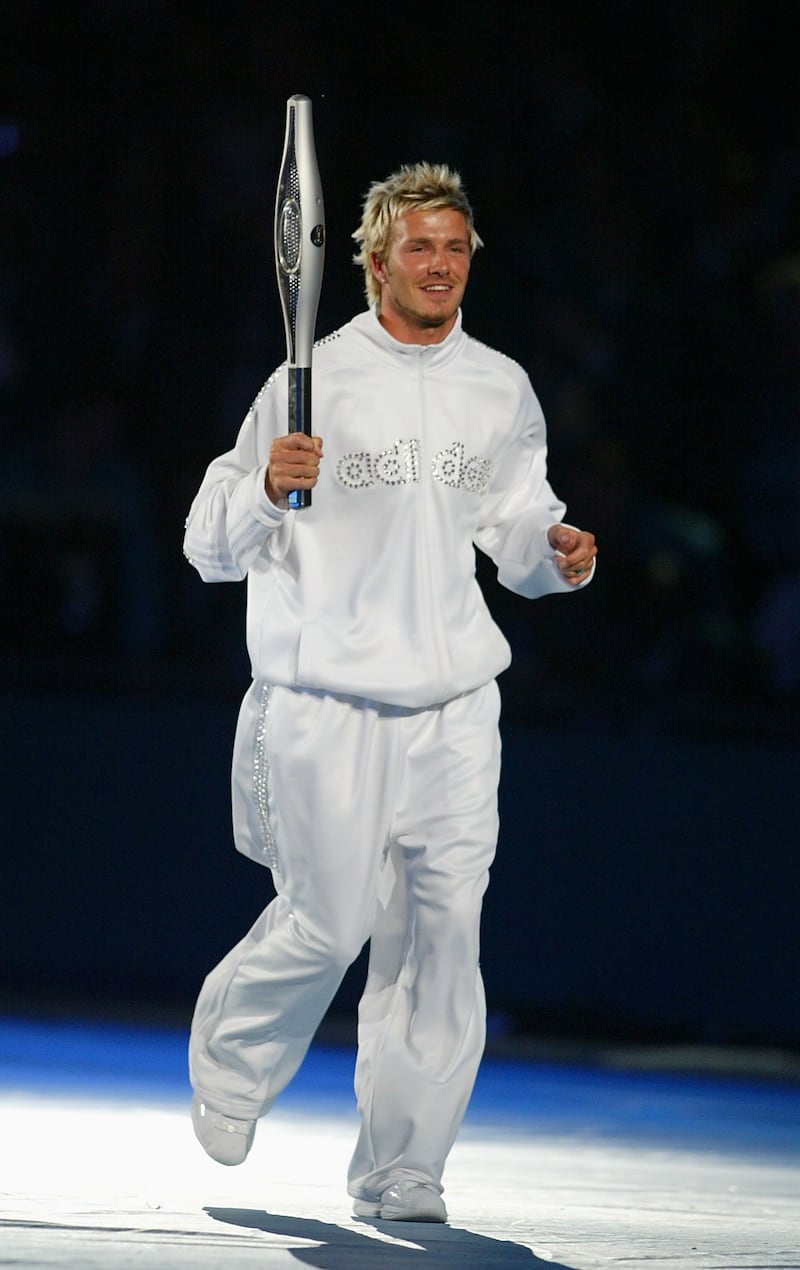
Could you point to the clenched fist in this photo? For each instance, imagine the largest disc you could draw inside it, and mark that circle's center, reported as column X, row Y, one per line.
column 293, row 464
column 575, row 552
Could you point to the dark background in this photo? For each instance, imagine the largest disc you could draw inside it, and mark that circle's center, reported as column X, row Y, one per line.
column 635, row 173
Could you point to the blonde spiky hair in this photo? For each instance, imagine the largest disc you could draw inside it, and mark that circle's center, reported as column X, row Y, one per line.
column 414, row 187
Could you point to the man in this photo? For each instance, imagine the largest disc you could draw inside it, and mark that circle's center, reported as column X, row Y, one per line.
column 366, row 757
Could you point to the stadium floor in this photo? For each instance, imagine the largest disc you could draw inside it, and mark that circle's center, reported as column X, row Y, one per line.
column 560, row 1163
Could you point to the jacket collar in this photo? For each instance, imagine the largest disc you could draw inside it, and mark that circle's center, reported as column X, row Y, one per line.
column 433, row 355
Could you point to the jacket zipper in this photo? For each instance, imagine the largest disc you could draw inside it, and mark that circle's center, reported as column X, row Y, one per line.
column 426, row 556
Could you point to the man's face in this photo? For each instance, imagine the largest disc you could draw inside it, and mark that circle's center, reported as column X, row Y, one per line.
column 424, row 275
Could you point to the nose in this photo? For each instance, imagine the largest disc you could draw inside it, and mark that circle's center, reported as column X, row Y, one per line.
column 439, row 262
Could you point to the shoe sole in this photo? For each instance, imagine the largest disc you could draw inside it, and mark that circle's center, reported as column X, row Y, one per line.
column 385, row 1212
column 424, row 1215
column 365, row 1208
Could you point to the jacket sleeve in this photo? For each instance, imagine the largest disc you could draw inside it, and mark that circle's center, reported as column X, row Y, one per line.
column 520, row 507
column 232, row 518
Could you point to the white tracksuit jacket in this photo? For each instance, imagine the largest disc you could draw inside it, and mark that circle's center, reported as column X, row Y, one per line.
column 371, row 591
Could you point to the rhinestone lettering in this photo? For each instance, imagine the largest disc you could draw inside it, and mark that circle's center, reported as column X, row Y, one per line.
column 451, row 468
column 399, row 465
column 261, row 780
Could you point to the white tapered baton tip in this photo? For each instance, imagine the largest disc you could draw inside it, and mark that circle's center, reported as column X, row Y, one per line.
column 299, row 231
column 299, row 259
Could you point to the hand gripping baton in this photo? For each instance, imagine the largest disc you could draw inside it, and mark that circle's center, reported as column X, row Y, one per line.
column 299, row 258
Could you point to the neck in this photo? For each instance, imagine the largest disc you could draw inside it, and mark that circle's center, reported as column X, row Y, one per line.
column 406, row 332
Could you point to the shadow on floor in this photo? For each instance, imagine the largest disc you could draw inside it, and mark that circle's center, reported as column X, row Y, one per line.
column 338, row 1248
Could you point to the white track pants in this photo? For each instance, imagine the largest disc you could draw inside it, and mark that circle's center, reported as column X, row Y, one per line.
column 381, row 823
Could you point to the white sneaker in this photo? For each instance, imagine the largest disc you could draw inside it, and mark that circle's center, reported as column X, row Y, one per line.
column 406, row 1200
column 222, row 1137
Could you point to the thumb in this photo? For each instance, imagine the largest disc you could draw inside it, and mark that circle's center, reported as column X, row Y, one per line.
column 562, row 538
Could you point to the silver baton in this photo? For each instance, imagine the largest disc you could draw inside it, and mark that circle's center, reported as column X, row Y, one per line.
column 299, row 260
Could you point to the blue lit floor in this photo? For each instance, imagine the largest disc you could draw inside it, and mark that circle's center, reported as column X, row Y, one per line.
column 558, row 1165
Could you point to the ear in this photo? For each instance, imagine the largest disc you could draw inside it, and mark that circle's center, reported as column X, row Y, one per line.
column 377, row 267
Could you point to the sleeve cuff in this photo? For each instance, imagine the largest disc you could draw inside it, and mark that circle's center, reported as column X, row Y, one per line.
column 268, row 513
